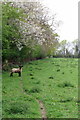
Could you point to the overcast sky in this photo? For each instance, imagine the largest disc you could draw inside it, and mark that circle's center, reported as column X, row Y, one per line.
column 67, row 12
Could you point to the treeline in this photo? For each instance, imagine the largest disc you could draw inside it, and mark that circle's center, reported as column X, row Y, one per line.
column 29, row 33
column 68, row 49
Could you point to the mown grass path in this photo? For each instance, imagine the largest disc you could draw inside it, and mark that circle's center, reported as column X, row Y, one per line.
column 48, row 86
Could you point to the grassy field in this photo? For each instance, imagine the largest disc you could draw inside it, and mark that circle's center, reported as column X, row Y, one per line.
column 54, row 81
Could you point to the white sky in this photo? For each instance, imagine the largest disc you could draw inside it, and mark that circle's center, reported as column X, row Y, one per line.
column 67, row 12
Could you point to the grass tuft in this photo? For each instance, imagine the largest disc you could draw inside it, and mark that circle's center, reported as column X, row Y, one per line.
column 31, row 74
column 32, row 77
column 66, row 100
column 58, row 70
column 65, row 84
column 18, row 108
column 51, row 77
column 38, row 82
column 35, row 90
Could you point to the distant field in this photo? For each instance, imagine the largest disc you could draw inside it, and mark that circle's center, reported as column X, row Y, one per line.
column 54, row 81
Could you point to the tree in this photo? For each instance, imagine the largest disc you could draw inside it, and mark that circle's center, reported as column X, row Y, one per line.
column 62, row 48
column 10, row 31
column 75, row 48
column 37, row 30
column 26, row 29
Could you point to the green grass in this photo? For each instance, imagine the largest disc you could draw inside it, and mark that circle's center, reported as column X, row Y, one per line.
column 53, row 81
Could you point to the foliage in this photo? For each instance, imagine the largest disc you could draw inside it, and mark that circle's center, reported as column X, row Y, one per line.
column 68, row 49
column 10, row 31
column 26, row 29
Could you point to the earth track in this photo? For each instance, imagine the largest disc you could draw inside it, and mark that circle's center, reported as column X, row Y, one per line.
column 41, row 105
column 42, row 108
